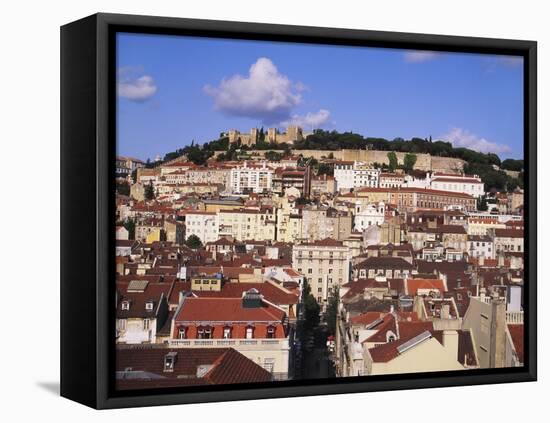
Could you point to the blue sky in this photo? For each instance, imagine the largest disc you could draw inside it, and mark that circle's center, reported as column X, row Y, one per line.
column 175, row 89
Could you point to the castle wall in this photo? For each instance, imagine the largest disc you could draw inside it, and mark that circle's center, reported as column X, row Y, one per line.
column 424, row 162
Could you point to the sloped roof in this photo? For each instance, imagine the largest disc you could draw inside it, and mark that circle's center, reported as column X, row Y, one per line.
column 222, row 365
column 516, row 332
column 226, row 309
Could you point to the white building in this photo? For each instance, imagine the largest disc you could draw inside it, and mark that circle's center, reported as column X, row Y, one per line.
column 481, row 246
column 368, row 215
column 417, row 180
column 466, row 184
column 202, row 224
column 251, row 178
column 350, row 175
column 325, row 265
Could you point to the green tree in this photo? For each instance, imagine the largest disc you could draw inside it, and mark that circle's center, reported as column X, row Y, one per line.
column 123, row 188
column 197, row 155
column 130, row 226
column 332, row 311
column 511, row 164
column 482, row 204
column 392, row 157
column 409, row 161
column 193, row 241
column 149, row 191
column 311, row 308
column 273, row 156
column 325, row 169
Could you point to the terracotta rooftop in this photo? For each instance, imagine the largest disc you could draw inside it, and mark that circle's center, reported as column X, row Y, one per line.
column 139, row 368
column 226, row 309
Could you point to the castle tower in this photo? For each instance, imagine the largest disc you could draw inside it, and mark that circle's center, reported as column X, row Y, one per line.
column 272, row 135
column 294, row 133
column 233, row 135
column 254, row 136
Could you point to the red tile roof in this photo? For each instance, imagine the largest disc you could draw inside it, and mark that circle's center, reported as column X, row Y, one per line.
column 516, row 332
column 509, row 233
column 413, row 285
column 222, row 366
column 226, row 309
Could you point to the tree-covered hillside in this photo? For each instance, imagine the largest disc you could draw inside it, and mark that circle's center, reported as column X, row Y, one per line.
column 487, row 165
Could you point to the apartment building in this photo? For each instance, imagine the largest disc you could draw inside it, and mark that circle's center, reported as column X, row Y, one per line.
column 202, row 224
column 255, row 328
column 349, row 175
column 251, row 178
column 320, row 222
column 245, row 224
column 466, row 184
column 325, row 265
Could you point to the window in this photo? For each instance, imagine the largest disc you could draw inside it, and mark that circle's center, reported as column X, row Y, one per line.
column 226, row 332
column 149, row 305
column 170, row 361
column 182, row 333
column 320, row 289
column 310, row 271
column 270, row 332
column 125, row 305
column 121, row 324
column 204, row 333
column 146, row 324
column 269, row 363
column 249, row 332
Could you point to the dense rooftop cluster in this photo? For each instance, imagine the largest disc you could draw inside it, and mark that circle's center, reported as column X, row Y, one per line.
column 242, row 271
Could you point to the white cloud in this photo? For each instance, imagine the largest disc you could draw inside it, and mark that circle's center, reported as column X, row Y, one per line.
column 135, row 88
column 263, row 94
column 311, row 120
column 462, row 138
column 418, row 56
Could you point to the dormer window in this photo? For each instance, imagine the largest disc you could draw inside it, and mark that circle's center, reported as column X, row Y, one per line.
column 227, row 332
column 149, row 305
column 204, row 332
column 170, row 361
column 249, row 332
column 182, row 332
column 270, row 332
column 125, row 305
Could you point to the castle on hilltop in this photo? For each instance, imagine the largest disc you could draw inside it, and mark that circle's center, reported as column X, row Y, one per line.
column 293, row 133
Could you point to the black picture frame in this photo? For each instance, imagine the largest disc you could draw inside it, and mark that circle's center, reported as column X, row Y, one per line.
column 88, row 94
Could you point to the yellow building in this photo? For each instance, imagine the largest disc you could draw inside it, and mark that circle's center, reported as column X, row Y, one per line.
column 206, row 283
column 155, row 235
column 289, row 222
column 246, row 224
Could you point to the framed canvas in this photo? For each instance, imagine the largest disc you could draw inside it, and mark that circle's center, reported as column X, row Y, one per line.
column 259, row 211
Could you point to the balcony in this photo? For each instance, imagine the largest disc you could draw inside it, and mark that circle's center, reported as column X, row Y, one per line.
column 239, row 344
column 514, row 317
